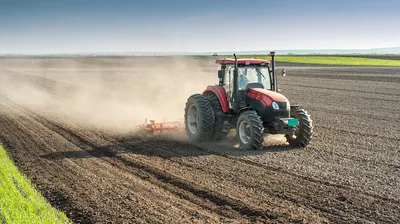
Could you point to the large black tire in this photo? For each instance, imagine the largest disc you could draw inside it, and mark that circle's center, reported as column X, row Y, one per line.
column 305, row 130
column 199, row 118
column 250, row 130
column 220, row 118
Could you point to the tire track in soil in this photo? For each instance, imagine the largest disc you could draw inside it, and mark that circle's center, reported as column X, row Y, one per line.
column 357, row 157
column 289, row 196
column 181, row 167
column 222, row 204
column 234, row 160
column 141, row 166
column 350, row 113
column 331, row 214
column 120, row 208
column 55, row 196
column 339, row 89
column 310, row 179
column 358, row 133
column 258, row 165
column 349, row 77
column 201, row 193
column 322, row 93
column 246, row 161
column 42, row 81
column 217, row 199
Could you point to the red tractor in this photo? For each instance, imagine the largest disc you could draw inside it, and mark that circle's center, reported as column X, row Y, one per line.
column 246, row 98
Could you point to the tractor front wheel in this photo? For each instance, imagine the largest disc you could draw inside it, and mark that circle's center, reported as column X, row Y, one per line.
column 301, row 135
column 199, row 118
column 249, row 131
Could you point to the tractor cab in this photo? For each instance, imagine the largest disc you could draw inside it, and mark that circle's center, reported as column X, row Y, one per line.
column 252, row 73
column 239, row 76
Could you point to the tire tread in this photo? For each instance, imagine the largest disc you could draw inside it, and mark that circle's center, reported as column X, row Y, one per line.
column 220, row 118
column 257, row 141
column 306, row 133
column 206, row 114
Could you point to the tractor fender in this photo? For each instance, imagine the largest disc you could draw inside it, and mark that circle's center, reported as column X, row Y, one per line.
column 220, row 93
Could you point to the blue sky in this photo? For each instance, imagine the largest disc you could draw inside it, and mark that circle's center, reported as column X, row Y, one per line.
column 69, row 26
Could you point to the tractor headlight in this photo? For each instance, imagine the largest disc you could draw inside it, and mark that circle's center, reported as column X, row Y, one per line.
column 275, row 105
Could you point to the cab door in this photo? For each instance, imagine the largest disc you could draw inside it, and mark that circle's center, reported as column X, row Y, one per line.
column 228, row 84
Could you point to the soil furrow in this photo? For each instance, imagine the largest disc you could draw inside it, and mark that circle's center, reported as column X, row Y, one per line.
column 217, row 199
column 358, row 133
column 201, row 192
column 153, row 151
column 127, row 207
column 68, row 129
column 266, row 187
column 340, row 89
column 370, row 116
column 204, row 194
column 350, row 77
column 194, row 189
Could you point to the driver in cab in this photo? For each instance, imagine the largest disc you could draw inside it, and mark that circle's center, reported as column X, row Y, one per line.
column 243, row 81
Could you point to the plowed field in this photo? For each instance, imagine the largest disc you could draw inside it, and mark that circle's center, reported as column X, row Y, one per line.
column 68, row 125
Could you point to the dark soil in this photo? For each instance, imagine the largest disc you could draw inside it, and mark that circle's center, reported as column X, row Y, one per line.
column 349, row 174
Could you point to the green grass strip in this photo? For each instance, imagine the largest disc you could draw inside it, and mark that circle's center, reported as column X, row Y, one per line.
column 19, row 201
column 328, row 60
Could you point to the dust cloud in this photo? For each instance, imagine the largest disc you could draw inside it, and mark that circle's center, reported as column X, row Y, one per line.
column 112, row 93
column 275, row 140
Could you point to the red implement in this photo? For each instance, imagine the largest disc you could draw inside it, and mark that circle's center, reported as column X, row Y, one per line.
column 152, row 126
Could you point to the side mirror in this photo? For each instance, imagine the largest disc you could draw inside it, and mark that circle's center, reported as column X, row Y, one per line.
column 283, row 72
column 220, row 74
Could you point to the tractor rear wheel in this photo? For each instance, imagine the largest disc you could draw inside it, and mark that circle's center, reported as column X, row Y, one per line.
column 302, row 135
column 249, row 130
column 220, row 118
column 199, row 118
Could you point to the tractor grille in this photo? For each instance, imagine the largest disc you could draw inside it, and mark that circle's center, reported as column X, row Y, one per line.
column 282, row 112
column 282, row 105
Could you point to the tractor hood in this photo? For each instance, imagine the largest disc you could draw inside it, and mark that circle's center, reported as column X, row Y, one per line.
column 266, row 97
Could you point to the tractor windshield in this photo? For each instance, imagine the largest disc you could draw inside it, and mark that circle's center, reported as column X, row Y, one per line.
column 254, row 74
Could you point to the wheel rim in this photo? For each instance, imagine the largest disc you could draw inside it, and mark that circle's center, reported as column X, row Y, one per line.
column 193, row 119
column 294, row 134
column 244, row 132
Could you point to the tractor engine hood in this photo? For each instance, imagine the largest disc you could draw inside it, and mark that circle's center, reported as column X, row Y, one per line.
column 266, row 97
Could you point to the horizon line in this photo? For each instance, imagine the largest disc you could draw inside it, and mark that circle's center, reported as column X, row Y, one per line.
column 206, row 52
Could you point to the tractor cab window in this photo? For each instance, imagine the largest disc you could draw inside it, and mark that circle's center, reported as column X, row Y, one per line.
column 229, row 81
column 254, row 74
column 247, row 74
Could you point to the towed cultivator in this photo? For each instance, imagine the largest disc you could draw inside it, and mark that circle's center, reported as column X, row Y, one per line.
column 152, row 127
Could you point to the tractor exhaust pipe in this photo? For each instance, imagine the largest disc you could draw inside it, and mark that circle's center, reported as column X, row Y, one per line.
column 272, row 54
column 235, row 86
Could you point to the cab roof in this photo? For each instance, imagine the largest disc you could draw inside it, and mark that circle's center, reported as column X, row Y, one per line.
column 242, row 61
